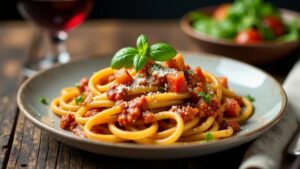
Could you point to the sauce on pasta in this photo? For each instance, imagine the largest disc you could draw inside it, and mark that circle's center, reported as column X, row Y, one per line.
column 162, row 103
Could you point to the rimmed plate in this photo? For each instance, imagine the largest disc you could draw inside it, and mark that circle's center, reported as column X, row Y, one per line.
column 270, row 102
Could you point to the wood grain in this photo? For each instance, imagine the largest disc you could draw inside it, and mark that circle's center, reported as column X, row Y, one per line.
column 11, row 56
column 25, row 146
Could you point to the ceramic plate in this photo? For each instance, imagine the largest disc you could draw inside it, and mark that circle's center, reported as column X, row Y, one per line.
column 256, row 53
column 270, row 102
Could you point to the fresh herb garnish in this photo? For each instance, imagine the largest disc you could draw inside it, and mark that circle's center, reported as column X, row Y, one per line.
column 161, row 52
column 79, row 99
column 209, row 136
column 206, row 97
column 43, row 100
column 137, row 57
column 139, row 61
column 201, row 94
column 250, row 98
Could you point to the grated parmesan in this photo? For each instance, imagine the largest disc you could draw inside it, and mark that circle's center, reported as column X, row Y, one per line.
column 121, row 87
column 162, row 71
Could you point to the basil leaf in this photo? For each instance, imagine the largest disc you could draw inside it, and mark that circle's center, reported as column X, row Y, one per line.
column 124, row 58
column 162, row 52
column 139, row 61
column 142, row 44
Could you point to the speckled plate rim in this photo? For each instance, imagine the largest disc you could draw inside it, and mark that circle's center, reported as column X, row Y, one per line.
column 238, row 138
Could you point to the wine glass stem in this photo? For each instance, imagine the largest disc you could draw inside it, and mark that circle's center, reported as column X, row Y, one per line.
column 60, row 54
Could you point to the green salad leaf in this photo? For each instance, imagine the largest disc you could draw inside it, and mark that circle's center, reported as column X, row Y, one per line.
column 243, row 15
column 293, row 32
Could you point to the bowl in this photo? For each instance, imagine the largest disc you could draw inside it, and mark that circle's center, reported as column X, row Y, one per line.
column 256, row 53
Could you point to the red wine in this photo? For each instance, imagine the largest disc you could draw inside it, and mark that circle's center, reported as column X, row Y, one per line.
column 55, row 15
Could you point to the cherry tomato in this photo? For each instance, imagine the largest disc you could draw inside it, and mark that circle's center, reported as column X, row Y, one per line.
column 221, row 12
column 275, row 24
column 248, row 36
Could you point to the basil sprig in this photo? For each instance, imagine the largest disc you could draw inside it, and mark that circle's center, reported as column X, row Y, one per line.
column 137, row 57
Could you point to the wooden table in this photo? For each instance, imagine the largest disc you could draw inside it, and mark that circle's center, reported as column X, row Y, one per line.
column 22, row 145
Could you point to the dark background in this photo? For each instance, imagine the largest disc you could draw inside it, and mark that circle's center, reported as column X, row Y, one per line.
column 142, row 9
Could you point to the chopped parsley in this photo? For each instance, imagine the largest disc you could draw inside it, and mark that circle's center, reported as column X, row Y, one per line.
column 250, row 98
column 201, row 94
column 209, row 137
column 206, row 97
column 43, row 100
column 79, row 99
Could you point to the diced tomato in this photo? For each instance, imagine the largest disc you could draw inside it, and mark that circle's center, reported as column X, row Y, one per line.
column 232, row 108
column 199, row 73
column 221, row 12
column 177, row 63
column 176, row 82
column 223, row 81
column 123, row 77
column 248, row 36
column 275, row 24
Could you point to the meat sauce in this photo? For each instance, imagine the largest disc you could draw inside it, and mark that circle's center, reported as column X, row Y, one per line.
column 134, row 110
column 177, row 78
column 116, row 92
column 68, row 123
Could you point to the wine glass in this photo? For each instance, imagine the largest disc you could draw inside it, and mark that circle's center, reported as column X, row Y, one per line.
column 56, row 17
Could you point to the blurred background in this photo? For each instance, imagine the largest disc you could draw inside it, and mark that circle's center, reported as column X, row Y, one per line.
column 142, row 9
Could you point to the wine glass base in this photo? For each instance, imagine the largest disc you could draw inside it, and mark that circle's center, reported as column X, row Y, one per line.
column 32, row 66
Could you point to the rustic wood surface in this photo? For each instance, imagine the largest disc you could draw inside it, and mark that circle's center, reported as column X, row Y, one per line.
column 22, row 145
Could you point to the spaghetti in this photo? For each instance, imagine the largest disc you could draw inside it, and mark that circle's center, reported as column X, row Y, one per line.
column 162, row 103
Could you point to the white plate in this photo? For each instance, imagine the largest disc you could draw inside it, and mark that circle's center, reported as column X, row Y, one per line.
column 270, row 102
